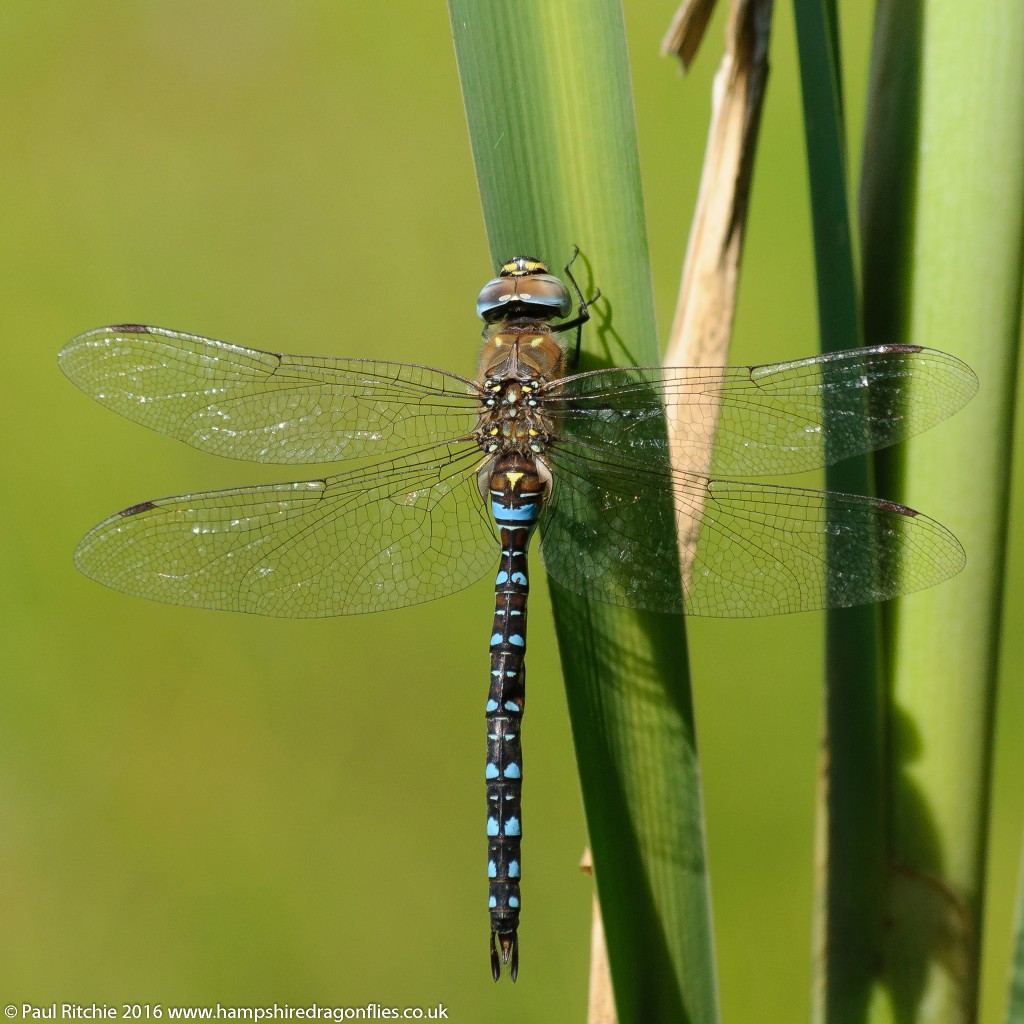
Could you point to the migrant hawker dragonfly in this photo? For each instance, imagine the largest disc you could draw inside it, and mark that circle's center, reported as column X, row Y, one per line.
column 476, row 465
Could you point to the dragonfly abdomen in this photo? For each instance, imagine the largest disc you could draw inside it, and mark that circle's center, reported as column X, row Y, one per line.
column 516, row 494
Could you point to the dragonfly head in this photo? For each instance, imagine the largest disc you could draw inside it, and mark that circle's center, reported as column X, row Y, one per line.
column 523, row 288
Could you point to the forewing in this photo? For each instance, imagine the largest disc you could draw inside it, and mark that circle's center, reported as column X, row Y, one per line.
column 244, row 403
column 609, row 531
column 763, row 420
column 393, row 534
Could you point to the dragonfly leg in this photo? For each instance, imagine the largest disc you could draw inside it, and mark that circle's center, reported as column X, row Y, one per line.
column 582, row 310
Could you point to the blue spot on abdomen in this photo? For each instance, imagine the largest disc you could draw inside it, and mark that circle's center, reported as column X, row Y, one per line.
column 523, row 514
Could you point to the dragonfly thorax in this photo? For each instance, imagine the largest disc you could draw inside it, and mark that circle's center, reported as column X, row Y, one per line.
column 522, row 350
column 512, row 417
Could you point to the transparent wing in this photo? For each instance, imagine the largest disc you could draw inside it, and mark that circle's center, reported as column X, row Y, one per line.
column 609, row 531
column 771, row 420
column 389, row 535
column 247, row 404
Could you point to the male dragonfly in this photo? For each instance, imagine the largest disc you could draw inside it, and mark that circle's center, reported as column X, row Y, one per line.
column 475, row 466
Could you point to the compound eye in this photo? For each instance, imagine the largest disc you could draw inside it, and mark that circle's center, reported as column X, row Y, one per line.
column 541, row 296
column 494, row 297
column 546, row 293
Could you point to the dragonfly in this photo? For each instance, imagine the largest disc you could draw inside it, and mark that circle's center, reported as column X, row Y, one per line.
column 468, row 469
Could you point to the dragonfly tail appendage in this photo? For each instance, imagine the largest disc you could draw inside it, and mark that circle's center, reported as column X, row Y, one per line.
column 509, row 944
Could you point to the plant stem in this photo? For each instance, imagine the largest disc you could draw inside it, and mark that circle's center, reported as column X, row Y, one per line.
column 850, row 837
column 944, row 148
column 549, row 105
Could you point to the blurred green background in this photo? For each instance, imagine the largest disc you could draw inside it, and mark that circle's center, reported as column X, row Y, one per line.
column 198, row 806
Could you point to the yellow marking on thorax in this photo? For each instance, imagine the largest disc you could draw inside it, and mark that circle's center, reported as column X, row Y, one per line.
column 514, row 478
